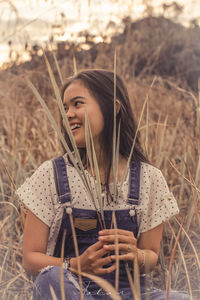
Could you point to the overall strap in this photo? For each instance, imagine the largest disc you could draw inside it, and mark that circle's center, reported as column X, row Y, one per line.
column 61, row 180
column 134, row 182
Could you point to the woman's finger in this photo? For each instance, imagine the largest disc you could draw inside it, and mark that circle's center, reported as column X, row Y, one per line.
column 121, row 239
column 110, row 269
column 100, row 253
column 116, row 231
column 127, row 256
column 96, row 246
column 126, row 248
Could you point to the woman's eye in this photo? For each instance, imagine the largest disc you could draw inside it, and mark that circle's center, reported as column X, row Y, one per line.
column 77, row 103
column 65, row 107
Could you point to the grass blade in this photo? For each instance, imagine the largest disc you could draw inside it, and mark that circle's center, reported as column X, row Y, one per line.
column 115, row 162
column 58, row 68
column 138, row 127
column 95, row 168
column 104, row 284
column 52, row 293
column 184, row 263
column 76, row 252
column 116, row 251
column 171, row 262
column 74, row 64
column 77, row 163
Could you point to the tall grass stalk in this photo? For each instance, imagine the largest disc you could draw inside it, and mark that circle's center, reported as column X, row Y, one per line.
column 136, row 133
column 58, row 68
column 76, row 253
column 183, row 172
column 92, row 155
column 190, row 214
column 136, row 273
column 198, row 111
column 74, row 64
column 52, row 293
column 171, row 143
column 115, row 156
column 168, row 284
column 147, row 130
column 104, row 284
column 130, row 279
column 90, row 163
column 183, row 261
column 77, row 163
column 191, row 243
column 161, row 155
column 67, row 127
column 116, row 242
column 61, row 269
column 193, row 185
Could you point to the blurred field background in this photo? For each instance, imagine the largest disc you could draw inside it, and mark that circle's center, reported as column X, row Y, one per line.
column 159, row 59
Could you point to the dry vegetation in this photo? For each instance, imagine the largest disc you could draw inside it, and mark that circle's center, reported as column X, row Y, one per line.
column 151, row 50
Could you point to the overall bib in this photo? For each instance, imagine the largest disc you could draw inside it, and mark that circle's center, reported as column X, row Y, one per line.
column 87, row 226
column 87, row 223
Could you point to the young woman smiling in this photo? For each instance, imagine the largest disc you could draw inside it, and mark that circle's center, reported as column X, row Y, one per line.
column 55, row 190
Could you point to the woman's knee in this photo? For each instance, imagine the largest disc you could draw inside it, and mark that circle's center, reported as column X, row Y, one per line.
column 157, row 294
column 51, row 276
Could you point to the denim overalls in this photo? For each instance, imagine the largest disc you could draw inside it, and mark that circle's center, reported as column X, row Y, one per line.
column 87, row 234
column 126, row 219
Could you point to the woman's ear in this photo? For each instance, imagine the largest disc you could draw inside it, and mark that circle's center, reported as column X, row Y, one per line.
column 118, row 106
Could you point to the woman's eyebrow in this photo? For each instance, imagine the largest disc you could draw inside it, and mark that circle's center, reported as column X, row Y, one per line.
column 74, row 99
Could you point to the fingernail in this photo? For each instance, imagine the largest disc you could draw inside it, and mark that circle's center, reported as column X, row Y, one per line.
column 100, row 232
column 100, row 238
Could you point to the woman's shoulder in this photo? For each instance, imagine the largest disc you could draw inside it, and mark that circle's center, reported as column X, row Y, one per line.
column 150, row 169
column 45, row 166
column 48, row 164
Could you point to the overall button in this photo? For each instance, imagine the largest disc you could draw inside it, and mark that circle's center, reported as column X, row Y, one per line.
column 132, row 213
column 68, row 210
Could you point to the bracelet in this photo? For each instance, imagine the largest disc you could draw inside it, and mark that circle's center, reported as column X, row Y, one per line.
column 66, row 263
column 143, row 259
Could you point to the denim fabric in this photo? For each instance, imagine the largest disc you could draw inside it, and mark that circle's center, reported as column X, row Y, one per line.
column 86, row 238
column 134, row 183
column 51, row 276
column 61, row 180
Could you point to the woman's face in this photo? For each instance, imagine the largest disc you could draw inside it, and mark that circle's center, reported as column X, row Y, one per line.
column 77, row 100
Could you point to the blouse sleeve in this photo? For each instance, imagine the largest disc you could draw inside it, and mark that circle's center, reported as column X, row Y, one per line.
column 158, row 204
column 37, row 195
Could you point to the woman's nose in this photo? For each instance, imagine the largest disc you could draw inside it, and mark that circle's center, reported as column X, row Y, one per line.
column 70, row 113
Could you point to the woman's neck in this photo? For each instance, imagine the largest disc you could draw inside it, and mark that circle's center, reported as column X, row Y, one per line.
column 103, row 169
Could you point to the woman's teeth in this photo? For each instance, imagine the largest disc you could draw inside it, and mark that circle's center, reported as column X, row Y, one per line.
column 75, row 126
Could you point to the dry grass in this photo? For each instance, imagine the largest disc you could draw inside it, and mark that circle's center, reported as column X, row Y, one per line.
column 170, row 135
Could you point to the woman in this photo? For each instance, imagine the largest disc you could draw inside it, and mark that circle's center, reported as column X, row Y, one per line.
column 141, row 204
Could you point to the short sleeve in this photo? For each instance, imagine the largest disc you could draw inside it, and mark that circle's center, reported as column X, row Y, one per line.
column 36, row 193
column 158, row 204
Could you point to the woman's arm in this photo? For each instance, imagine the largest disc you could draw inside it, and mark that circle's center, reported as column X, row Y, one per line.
column 35, row 244
column 149, row 243
column 35, row 241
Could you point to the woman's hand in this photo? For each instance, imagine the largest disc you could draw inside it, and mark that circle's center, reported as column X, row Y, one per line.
column 127, row 243
column 93, row 259
column 146, row 248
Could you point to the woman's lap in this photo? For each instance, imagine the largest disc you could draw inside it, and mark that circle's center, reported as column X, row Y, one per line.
column 51, row 277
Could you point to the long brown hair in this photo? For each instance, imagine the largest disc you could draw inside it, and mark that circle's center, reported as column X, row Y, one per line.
column 100, row 83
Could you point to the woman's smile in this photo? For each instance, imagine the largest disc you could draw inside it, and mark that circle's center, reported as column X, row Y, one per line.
column 74, row 127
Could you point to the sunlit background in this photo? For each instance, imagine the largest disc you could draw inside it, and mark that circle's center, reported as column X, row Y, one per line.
column 44, row 22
